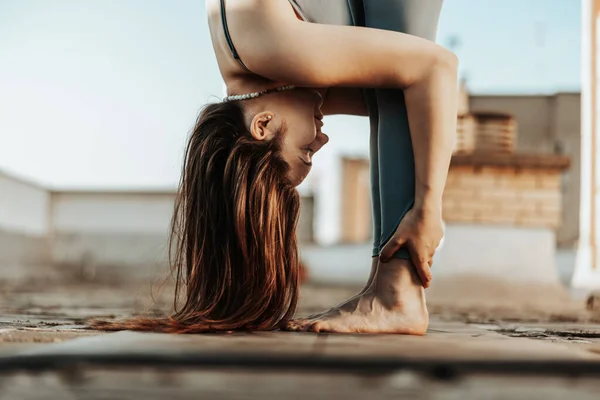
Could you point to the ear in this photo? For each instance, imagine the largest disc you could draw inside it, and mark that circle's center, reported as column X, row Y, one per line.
column 262, row 126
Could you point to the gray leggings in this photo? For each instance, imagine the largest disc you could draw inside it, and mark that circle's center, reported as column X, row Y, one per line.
column 391, row 153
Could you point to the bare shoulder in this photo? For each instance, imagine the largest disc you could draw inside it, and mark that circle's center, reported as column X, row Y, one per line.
column 257, row 10
column 243, row 18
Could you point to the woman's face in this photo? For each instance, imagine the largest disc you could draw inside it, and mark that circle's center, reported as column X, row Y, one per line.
column 298, row 112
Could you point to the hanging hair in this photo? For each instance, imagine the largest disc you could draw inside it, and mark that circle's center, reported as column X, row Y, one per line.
column 232, row 247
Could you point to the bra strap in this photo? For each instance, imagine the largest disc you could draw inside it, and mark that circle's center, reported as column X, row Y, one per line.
column 234, row 52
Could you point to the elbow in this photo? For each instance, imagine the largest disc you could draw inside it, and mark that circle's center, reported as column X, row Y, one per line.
column 445, row 61
column 439, row 63
column 451, row 61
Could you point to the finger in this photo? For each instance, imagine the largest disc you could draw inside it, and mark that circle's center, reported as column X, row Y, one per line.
column 429, row 273
column 421, row 264
column 431, row 255
column 425, row 274
column 390, row 248
column 421, row 269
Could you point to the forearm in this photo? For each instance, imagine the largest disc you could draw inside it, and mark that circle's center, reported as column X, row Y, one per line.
column 431, row 105
column 348, row 101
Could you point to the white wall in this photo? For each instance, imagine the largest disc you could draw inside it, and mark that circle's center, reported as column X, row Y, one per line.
column 117, row 234
column 505, row 254
column 517, row 254
column 24, row 211
column 24, row 207
column 114, row 213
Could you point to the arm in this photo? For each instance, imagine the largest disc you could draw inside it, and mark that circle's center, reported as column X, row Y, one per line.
column 349, row 101
column 432, row 109
column 283, row 49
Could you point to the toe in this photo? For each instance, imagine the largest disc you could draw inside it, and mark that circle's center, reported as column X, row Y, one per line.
column 297, row 324
column 318, row 326
column 290, row 326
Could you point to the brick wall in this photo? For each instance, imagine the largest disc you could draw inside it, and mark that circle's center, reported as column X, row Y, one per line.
column 547, row 124
column 503, row 195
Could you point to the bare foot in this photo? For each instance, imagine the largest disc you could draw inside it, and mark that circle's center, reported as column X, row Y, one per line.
column 394, row 303
column 374, row 263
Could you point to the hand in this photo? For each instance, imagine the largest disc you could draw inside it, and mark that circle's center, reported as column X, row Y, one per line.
column 420, row 231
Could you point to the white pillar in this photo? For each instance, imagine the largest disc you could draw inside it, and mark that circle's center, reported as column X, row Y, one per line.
column 587, row 265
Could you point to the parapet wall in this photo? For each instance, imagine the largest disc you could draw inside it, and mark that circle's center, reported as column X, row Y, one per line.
column 516, row 190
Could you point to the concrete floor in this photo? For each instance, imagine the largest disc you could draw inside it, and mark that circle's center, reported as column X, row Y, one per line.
column 483, row 342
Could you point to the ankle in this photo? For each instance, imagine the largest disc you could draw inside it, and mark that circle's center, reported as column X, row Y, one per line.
column 399, row 274
column 399, row 287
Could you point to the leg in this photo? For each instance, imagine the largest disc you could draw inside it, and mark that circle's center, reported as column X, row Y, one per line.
column 357, row 16
column 396, row 159
column 395, row 300
column 371, row 100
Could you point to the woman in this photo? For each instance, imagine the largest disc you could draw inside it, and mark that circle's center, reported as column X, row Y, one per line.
column 233, row 234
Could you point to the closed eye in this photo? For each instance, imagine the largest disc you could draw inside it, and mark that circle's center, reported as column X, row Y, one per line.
column 309, row 163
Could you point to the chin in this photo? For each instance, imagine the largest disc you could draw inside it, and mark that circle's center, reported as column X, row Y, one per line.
column 297, row 182
column 299, row 178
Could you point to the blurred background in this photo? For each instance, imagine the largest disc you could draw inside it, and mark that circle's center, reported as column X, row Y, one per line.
column 97, row 99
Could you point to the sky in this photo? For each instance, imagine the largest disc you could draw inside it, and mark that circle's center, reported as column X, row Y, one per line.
column 103, row 93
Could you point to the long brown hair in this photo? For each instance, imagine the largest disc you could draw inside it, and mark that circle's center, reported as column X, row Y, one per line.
column 233, row 247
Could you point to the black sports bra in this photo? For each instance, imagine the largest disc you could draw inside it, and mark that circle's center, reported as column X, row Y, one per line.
column 234, row 52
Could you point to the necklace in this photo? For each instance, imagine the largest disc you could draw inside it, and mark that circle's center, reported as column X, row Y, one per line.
column 254, row 95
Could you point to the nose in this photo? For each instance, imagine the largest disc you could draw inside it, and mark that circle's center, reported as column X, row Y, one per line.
column 320, row 141
column 324, row 139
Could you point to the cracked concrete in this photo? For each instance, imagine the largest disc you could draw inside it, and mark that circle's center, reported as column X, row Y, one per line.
column 526, row 345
